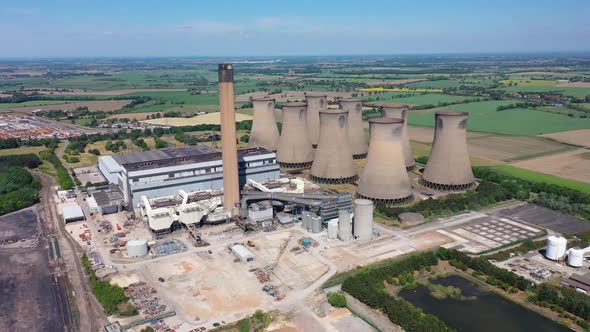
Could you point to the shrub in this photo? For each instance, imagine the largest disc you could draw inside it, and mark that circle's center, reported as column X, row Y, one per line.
column 337, row 300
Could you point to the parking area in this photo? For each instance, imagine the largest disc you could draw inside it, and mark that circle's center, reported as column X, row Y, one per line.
column 89, row 174
column 546, row 218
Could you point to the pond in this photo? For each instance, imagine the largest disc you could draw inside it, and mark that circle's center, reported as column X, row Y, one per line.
column 478, row 309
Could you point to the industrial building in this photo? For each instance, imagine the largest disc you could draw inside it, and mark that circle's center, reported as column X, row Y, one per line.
column 108, row 199
column 315, row 104
column 164, row 172
column 295, row 148
column 264, row 133
column 400, row 111
column 384, row 179
column 448, row 167
column 333, row 161
column 356, row 131
column 72, row 213
column 242, row 253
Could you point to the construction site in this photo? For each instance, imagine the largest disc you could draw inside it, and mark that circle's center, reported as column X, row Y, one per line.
column 194, row 260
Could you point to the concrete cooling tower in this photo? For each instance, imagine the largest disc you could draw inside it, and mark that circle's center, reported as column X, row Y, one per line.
column 384, row 179
column 449, row 168
column 315, row 104
column 295, row 150
column 400, row 111
column 333, row 158
column 356, row 132
column 265, row 132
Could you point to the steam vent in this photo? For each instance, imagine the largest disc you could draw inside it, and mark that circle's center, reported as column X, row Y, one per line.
column 356, row 132
column 333, row 158
column 449, row 168
column 315, row 104
column 384, row 179
column 295, row 150
column 265, row 132
column 400, row 111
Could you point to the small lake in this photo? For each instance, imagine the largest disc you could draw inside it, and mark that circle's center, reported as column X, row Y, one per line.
column 482, row 311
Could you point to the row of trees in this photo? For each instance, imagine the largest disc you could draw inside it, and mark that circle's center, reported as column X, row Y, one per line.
column 562, row 298
column 63, row 177
column 367, row 286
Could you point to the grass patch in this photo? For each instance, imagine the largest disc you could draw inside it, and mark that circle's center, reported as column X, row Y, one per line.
column 542, row 177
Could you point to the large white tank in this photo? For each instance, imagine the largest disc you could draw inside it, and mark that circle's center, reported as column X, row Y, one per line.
column 316, row 224
column 556, row 247
column 344, row 226
column 137, row 248
column 333, row 228
column 363, row 219
column 575, row 257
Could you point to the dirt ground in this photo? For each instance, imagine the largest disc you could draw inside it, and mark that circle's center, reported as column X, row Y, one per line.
column 209, row 118
column 93, row 106
column 573, row 165
column 579, row 137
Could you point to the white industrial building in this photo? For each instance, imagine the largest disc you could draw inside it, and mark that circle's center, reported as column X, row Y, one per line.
column 163, row 172
column 72, row 213
column 242, row 253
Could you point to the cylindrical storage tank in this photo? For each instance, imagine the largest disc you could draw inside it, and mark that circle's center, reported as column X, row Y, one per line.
column 344, row 226
column 363, row 219
column 307, row 221
column 295, row 150
column 562, row 247
column 448, row 167
column 333, row 161
column 265, row 132
column 552, row 251
column 333, row 228
column 315, row 104
column 384, row 179
column 400, row 111
column 316, row 224
column 137, row 248
column 575, row 257
column 356, row 132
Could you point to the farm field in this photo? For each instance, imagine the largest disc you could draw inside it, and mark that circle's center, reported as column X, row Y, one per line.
column 567, row 91
column 541, row 177
column 440, row 84
column 93, row 106
column 417, row 99
column 419, row 90
column 573, row 165
column 181, row 97
column 530, row 82
column 576, row 137
column 209, row 118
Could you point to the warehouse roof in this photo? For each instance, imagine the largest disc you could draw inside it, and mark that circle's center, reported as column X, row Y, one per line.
column 72, row 212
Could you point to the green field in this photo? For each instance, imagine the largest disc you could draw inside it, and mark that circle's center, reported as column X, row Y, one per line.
column 417, row 99
column 530, row 82
column 523, row 122
column 573, row 92
column 441, row 84
column 181, row 97
column 542, row 177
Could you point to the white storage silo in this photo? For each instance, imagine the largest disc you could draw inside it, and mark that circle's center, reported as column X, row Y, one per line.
column 316, row 224
column 137, row 248
column 344, row 226
column 363, row 219
column 333, row 228
column 556, row 247
column 575, row 257
column 562, row 247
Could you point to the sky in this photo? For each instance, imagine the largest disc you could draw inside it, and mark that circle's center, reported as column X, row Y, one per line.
column 130, row 28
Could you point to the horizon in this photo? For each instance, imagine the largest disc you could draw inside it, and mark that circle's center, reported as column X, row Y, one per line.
column 261, row 28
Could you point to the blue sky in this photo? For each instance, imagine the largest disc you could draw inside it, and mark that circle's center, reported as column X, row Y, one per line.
column 40, row 28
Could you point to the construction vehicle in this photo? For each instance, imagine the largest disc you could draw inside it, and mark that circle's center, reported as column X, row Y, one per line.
column 251, row 244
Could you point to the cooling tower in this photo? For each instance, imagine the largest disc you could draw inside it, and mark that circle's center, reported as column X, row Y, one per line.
column 229, row 152
column 448, row 167
column 400, row 111
column 295, row 150
column 356, row 132
column 265, row 132
column 333, row 158
column 384, row 179
column 315, row 104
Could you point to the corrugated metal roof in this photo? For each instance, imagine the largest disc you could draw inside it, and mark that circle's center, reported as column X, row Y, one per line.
column 72, row 212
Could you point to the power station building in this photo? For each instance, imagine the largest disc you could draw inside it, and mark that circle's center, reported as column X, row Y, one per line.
column 165, row 172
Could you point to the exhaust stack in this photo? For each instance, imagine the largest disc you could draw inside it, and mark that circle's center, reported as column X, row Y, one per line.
column 229, row 152
column 400, row 111
column 265, row 132
column 356, row 132
column 448, row 167
column 333, row 158
column 295, row 150
column 384, row 179
column 315, row 104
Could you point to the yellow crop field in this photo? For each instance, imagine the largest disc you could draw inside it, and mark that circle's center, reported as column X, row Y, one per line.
column 209, row 118
column 381, row 89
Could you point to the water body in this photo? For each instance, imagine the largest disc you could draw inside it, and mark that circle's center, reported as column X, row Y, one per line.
column 483, row 311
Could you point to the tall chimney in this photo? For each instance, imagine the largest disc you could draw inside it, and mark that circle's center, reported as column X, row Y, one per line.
column 400, row 111
column 448, row 167
column 356, row 132
column 229, row 152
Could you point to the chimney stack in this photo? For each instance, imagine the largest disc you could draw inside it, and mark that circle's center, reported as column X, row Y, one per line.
column 356, row 132
column 229, row 152
column 265, row 132
column 400, row 111
column 384, row 179
column 448, row 167
column 315, row 104
column 333, row 158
